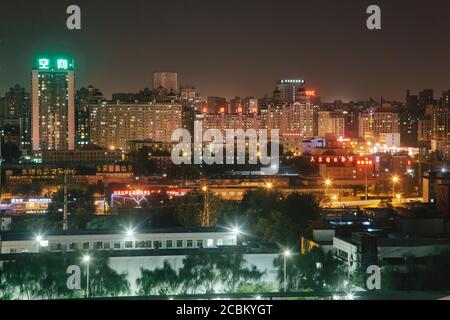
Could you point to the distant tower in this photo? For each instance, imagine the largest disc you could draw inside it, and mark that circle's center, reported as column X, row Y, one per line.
column 165, row 80
column 53, row 104
column 287, row 89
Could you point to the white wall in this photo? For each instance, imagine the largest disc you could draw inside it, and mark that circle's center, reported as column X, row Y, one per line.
column 132, row 266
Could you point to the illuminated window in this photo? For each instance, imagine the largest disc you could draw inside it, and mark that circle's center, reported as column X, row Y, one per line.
column 139, row 244
column 128, row 244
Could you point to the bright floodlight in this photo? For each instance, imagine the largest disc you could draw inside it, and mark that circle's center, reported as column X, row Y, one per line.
column 395, row 179
column 130, row 232
column 350, row 296
column 287, row 253
column 39, row 238
column 236, row 230
column 327, row 182
column 86, row 258
column 443, row 170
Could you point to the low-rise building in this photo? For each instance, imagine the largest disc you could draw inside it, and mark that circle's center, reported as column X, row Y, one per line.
column 108, row 240
column 363, row 249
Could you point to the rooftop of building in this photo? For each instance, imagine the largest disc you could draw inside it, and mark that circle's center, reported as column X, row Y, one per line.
column 384, row 240
column 18, row 236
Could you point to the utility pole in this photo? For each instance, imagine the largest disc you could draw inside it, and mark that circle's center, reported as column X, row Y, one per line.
column 367, row 192
column 205, row 217
column 1, row 162
column 65, row 218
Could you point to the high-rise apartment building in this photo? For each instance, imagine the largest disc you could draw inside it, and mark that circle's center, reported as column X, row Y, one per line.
column 216, row 105
column 53, row 104
column 16, row 116
column 287, row 89
column 84, row 99
column 373, row 125
column 331, row 123
column 113, row 125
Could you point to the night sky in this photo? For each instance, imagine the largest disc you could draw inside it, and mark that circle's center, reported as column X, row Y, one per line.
column 235, row 47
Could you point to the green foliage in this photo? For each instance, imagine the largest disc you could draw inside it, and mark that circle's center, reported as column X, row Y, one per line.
column 189, row 210
column 40, row 276
column 81, row 218
column 312, row 271
column 265, row 214
column 11, row 152
column 160, row 281
column 6, row 289
column 104, row 281
column 278, row 218
column 141, row 161
column 423, row 274
column 44, row 276
column 261, row 287
column 77, row 198
column 202, row 273
column 233, row 274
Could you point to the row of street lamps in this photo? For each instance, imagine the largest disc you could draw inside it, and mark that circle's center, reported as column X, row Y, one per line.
column 395, row 179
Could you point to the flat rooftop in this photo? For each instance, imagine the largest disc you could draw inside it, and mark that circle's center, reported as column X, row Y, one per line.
column 16, row 236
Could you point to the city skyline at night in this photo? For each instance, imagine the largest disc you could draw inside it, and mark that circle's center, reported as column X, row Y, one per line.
column 189, row 151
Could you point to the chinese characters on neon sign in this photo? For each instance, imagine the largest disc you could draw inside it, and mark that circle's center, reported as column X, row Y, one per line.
column 61, row 64
column 342, row 159
column 44, row 63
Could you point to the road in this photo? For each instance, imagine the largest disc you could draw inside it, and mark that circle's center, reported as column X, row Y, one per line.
column 369, row 203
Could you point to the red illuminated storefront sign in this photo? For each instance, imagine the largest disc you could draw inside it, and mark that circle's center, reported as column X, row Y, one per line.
column 359, row 161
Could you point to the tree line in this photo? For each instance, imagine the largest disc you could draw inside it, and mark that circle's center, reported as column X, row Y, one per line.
column 43, row 276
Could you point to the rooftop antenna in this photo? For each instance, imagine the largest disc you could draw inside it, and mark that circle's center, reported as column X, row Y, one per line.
column 65, row 217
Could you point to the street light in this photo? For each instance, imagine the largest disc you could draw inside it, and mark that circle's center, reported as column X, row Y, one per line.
column 395, row 180
column 327, row 183
column 86, row 260
column 236, row 230
column 129, row 232
column 286, row 254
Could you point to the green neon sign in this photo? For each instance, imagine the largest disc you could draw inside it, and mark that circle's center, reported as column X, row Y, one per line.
column 58, row 64
column 44, row 63
column 62, row 64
